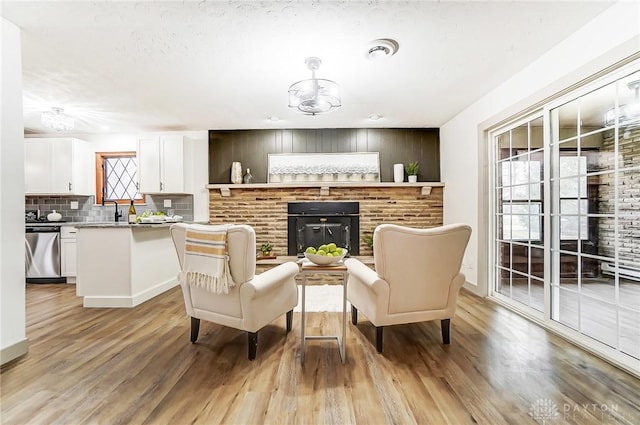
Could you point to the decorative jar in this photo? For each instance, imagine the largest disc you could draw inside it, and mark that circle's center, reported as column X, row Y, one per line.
column 398, row 173
column 54, row 216
column 236, row 173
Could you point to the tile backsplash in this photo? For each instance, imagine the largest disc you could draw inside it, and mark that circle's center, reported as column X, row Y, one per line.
column 89, row 212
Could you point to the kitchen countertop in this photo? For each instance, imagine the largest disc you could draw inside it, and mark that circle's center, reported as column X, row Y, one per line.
column 48, row 223
column 120, row 224
column 104, row 224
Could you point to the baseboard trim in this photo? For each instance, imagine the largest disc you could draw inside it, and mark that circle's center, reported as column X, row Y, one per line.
column 147, row 294
column 14, row 351
column 128, row 301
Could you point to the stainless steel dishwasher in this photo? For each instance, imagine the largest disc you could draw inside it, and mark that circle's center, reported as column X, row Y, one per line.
column 42, row 254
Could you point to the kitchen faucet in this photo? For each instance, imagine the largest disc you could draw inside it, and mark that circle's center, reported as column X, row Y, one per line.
column 117, row 213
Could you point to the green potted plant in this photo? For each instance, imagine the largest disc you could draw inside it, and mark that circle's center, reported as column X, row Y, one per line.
column 266, row 249
column 368, row 240
column 412, row 171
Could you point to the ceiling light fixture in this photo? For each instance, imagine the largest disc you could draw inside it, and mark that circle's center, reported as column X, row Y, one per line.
column 375, row 117
column 629, row 112
column 315, row 95
column 58, row 120
column 382, row 48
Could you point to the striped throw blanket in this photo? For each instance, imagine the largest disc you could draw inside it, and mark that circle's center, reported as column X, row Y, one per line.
column 206, row 263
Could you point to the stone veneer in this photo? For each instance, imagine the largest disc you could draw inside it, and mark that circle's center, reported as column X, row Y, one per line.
column 266, row 208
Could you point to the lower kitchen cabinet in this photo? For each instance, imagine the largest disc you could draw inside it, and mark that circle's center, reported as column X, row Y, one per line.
column 68, row 253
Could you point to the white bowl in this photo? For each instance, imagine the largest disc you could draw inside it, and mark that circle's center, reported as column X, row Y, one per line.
column 323, row 260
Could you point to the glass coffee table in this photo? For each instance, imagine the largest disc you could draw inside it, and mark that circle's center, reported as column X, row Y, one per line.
column 307, row 268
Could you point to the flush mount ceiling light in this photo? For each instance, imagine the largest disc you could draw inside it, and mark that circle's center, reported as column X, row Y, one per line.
column 382, row 48
column 629, row 112
column 58, row 120
column 316, row 95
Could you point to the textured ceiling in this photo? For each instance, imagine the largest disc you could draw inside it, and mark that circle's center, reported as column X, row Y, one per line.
column 198, row 65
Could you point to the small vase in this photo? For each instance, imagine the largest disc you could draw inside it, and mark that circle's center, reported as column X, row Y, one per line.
column 54, row 216
column 413, row 179
column 398, row 173
column 236, row 173
column 248, row 178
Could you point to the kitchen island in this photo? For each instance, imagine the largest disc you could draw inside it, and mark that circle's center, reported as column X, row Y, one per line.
column 123, row 265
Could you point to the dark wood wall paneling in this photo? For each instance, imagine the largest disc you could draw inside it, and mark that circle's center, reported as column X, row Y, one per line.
column 252, row 147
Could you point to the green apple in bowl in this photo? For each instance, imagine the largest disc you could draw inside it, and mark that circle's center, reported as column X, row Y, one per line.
column 325, row 256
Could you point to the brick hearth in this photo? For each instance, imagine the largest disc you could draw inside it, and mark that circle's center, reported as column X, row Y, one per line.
column 265, row 208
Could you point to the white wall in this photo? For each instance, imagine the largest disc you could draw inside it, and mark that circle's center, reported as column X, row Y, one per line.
column 611, row 37
column 13, row 342
column 200, row 175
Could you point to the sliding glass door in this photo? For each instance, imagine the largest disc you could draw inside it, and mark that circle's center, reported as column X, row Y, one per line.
column 518, row 193
column 595, row 212
column 566, row 189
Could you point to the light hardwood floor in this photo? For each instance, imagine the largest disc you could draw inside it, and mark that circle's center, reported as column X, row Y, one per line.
column 137, row 366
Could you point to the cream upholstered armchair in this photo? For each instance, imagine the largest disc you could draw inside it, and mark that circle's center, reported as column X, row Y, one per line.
column 254, row 301
column 417, row 277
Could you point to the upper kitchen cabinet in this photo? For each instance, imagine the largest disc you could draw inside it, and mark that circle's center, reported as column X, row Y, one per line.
column 58, row 166
column 163, row 165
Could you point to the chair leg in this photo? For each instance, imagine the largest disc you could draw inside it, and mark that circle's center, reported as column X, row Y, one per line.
column 379, row 338
column 445, row 324
column 289, row 320
column 253, row 344
column 354, row 315
column 195, row 328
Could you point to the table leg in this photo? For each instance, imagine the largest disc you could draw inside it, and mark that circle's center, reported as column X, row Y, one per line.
column 302, row 319
column 344, row 317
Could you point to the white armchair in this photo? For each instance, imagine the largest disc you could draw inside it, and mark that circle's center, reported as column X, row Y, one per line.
column 417, row 277
column 254, row 301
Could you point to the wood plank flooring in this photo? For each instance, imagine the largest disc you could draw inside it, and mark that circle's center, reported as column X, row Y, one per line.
column 137, row 366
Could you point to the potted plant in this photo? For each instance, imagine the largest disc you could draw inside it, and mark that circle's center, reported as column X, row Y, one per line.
column 412, row 171
column 266, row 249
column 368, row 240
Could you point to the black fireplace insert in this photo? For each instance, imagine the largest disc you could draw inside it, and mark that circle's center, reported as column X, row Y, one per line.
column 317, row 223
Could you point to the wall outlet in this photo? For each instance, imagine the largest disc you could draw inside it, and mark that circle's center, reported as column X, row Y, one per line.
column 167, row 203
column 73, row 205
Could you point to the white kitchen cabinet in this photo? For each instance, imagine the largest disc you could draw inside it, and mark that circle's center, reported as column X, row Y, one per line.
column 37, row 166
column 164, row 165
column 59, row 166
column 68, row 253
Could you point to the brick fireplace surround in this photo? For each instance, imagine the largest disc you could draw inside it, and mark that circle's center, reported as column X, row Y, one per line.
column 264, row 207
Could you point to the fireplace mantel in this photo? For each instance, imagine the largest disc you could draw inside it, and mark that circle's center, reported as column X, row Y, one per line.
column 323, row 187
